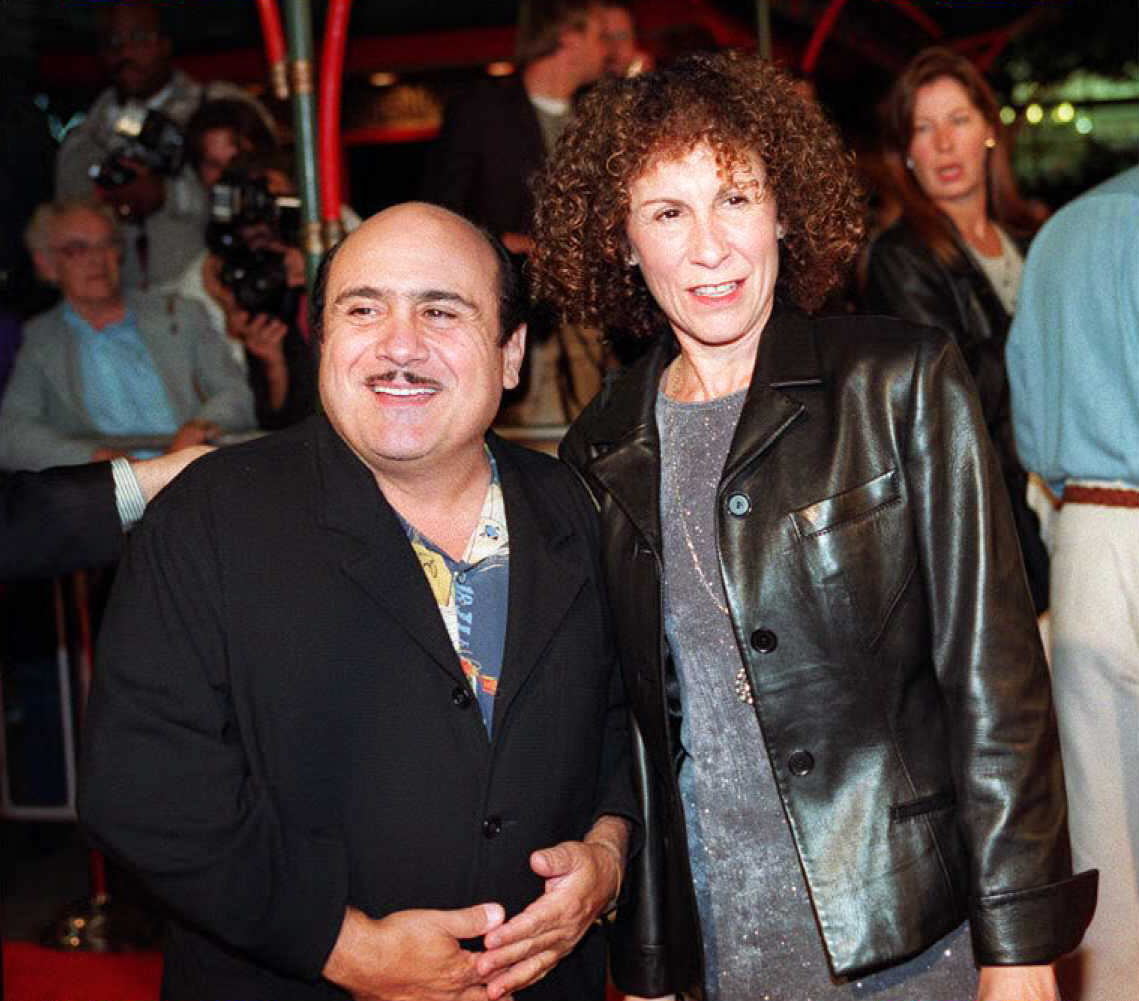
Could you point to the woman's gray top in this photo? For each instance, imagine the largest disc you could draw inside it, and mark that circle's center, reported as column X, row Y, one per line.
column 760, row 938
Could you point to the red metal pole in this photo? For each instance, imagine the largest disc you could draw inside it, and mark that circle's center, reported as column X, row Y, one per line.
column 819, row 35
column 328, row 119
column 274, row 36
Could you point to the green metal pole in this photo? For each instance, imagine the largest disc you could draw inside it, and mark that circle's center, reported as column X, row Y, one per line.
column 763, row 27
column 302, row 77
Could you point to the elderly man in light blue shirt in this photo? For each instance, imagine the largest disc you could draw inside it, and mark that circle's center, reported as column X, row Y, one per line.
column 102, row 369
column 1073, row 365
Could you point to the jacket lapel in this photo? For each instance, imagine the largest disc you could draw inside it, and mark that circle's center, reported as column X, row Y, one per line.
column 626, row 444
column 786, row 359
column 381, row 560
column 624, row 437
column 545, row 577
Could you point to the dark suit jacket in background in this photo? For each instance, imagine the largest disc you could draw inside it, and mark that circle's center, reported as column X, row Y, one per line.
column 280, row 726
column 489, row 148
column 58, row 520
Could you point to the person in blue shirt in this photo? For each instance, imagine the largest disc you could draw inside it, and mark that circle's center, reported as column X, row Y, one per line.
column 1073, row 365
column 104, row 368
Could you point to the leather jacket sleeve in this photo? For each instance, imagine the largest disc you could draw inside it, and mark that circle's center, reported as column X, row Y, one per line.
column 906, row 281
column 1024, row 905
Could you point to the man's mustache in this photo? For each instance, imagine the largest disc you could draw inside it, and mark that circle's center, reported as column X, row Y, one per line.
column 121, row 64
column 406, row 375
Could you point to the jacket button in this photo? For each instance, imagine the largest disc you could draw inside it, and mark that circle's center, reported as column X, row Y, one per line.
column 491, row 827
column 739, row 505
column 801, row 763
column 764, row 640
column 461, row 697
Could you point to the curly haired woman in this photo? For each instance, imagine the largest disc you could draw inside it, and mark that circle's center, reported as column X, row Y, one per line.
column 848, row 755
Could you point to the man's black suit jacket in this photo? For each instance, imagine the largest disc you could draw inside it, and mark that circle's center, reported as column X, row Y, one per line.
column 58, row 520
column 489, row 148
column 280, row 726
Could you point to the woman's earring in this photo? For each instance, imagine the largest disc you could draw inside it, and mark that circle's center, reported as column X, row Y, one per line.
column 990, row 143
column 909, row 163
column 630, row 261
column 779, row 231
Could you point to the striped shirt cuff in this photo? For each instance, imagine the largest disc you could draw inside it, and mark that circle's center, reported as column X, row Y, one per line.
column 128, row 495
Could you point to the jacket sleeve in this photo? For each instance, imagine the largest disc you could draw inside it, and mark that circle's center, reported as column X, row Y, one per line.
column 615, row 795
column 29, row 438
column 1025, row 905
column 167, row 786
column 79, row 152
column 906, row 281
column 57, row 520
column 226, row 397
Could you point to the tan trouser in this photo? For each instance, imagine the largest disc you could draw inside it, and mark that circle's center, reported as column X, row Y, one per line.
column 1095, row 677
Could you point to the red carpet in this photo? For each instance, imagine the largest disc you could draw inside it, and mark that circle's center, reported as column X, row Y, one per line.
column 32, row 973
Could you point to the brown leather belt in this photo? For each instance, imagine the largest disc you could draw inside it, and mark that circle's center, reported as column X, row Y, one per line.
column 1103, row 496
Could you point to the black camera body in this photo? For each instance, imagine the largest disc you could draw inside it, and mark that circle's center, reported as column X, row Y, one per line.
column 147, row 137
column 244, row 216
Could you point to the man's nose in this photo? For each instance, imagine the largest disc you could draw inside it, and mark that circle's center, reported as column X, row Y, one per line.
column 401, row 341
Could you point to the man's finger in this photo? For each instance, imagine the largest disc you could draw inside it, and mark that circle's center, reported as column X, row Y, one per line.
column 494, row 960
column 471, row 922
column 539, row 916
column 522, row 975
column 555, row 861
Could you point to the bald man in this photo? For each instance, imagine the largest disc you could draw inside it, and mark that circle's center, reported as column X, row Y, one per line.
column 357, row 718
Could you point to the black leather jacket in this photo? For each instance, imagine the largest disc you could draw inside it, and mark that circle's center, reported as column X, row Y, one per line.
column 905, row 279
column 879, row 603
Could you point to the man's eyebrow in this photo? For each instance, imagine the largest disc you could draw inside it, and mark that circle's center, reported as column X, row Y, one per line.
column 444, row 295
column 359, row 292
column 422, row 296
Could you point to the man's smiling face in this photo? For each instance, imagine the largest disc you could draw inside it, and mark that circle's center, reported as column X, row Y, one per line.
column 412, row 370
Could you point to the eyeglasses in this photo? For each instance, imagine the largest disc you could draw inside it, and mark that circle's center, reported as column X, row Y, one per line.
column 139, row 36
column 73, row 250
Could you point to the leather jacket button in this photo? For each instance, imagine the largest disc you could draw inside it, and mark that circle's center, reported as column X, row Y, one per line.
column 801, row 763
column 461, row 697
column 764, row 641
column 491, row 827
column 739, row 505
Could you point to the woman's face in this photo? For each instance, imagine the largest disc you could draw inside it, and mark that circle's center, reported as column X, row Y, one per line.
column 947, row 148
column 707, row 246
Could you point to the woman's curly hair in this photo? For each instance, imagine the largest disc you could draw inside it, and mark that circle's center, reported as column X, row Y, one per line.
column 737, row 104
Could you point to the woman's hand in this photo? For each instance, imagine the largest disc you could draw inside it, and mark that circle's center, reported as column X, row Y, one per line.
column 193, row 432
column 262, row 334
column 1017, row 983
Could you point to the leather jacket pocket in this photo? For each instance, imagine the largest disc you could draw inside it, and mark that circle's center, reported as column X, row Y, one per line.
column 859, row 549
column 850, row 505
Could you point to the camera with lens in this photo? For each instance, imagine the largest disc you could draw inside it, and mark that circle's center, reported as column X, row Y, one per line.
column 247, row 226
column 147, row 137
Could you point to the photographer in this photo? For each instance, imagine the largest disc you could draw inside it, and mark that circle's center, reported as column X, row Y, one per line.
column 254, row 271
column 160, row 202
column 218, row 132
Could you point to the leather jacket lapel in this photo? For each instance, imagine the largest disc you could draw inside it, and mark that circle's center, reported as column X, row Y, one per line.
column 625, row 444
column 786, row 358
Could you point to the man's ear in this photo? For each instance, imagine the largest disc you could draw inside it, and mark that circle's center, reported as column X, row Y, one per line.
column 45, row 266
column 512, row 353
